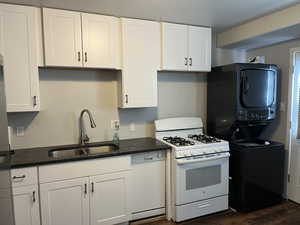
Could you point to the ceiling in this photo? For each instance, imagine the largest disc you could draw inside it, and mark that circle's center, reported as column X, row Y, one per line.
column 220, row 14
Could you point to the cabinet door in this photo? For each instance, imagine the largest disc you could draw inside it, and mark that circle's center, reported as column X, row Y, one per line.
column 141, row 57
column 109, row 198
column 100, row 41
column 18, row 45
column 65, row 202
column 62, row 38
column 199, row 48
column 174, row 47
column 26, row 205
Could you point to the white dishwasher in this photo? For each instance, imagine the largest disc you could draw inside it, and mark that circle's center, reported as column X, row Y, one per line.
column 148, row 184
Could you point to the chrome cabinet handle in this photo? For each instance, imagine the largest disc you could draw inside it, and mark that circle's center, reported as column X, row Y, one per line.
column 85, row 189
column 33, row 196
column 191, row 61
column 34, row 100
column 93, row 189
column 185, row 61
column 85, row 57
column 79, row 56
column 19, row 177
column 126, row 98
column 148, row 158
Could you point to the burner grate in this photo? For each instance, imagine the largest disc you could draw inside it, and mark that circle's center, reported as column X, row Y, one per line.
column 178, row 141
column 204, row 138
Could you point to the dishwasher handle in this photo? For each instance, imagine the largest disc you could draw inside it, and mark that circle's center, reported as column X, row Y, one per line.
column 147, row 157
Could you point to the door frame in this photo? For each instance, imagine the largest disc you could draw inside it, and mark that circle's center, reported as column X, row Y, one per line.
column 293, row 52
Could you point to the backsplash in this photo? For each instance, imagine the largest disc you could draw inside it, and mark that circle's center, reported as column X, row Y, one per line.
column 65, row 92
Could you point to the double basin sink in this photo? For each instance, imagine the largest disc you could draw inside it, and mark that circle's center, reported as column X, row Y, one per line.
column 82, row 150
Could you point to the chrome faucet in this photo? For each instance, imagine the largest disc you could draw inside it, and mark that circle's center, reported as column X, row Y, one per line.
column 84, row 139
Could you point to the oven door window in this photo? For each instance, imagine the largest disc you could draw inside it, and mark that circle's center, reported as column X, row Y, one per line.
column 203, row 177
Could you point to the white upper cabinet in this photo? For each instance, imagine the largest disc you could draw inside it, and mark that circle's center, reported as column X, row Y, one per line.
column 19, row 46
column 100, row 40
column 74, row 39
column 175, row 48
column 185, row 48
column 141, row 60
column 62, row 38
column 199, row 48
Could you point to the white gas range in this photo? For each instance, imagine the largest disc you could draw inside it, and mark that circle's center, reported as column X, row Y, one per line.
column 200, row 165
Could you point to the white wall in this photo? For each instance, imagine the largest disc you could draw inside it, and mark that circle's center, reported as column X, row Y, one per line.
column 65, row 92
column 223, row 56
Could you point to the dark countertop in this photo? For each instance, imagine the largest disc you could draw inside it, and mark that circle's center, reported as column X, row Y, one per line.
column 39, row 156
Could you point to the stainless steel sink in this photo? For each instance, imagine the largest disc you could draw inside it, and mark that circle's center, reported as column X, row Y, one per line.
column 94, row 150
column 86, row 150
column 65, row 153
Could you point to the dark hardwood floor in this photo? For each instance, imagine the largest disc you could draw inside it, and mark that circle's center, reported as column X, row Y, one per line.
column 287, row 213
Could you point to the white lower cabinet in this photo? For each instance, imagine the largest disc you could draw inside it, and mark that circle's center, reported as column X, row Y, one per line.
column 109, row 199
column 106, row 191
column 26, row 205
column 92, row 200
column 65, row 202
column 98, row 197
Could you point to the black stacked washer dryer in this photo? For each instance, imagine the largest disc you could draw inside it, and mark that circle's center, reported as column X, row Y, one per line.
column 242, row 100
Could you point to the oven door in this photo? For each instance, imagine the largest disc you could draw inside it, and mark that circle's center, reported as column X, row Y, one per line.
column 201, row 179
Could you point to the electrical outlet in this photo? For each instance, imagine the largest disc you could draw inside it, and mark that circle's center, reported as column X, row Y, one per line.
column 114, row 124
column 132, row 127
column 20, row 131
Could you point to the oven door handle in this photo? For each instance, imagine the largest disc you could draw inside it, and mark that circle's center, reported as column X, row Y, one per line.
column 185, row 161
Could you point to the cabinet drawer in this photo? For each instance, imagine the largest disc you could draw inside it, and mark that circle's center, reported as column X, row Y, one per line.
column 84, row 168
column 24, row 176
column 148, row 157
column 201, row 208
